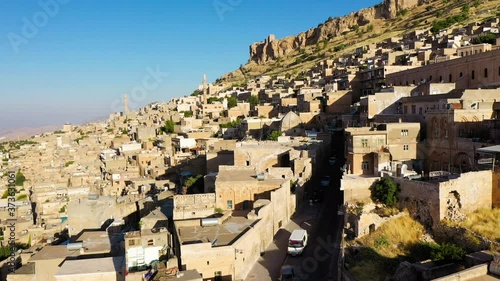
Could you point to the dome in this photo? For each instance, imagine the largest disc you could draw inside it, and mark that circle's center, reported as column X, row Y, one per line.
column 290, row 120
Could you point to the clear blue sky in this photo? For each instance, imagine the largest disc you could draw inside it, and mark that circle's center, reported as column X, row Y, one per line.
column 72, row 62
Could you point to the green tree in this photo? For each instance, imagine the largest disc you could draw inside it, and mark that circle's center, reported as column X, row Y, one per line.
column 211, row 100
column 196, row 93
column 188, row 113
column 489, row 38
column 168, row 128
column 273, row 136
column 253, row 100
column 20, row 178
column 232, row 102
column 386, row 192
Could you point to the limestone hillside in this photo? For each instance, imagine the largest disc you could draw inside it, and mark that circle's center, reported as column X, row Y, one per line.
column 341, row 35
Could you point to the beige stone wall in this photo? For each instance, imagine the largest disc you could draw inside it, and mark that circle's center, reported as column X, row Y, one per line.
column 496, row 188
column 356, row 188
column 465, row 66
column 421, row 199
column 240, row 191
column 208, row 260
column 193, row 206
column 218, row 158
column 432, row 202
column 46, row 269
column 474, row 192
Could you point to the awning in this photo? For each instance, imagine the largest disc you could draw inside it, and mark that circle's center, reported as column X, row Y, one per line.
column 489, row 149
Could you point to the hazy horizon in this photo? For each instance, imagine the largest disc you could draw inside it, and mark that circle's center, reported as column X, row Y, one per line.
column 73, row 60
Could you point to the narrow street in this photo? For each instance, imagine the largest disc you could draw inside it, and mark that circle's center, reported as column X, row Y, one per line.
column 323, row 224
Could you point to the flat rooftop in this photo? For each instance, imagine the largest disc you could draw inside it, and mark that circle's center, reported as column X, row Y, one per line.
column 95, row 241
column 225, row 233
column 53, row 252
column 244, row 175
column 90, row 266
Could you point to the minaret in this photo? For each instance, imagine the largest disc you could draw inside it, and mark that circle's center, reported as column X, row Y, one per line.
column 125, row 102
column 205, row 89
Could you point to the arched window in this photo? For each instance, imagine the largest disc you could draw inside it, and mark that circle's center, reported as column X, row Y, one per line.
column 461, row 74
column 444, row 128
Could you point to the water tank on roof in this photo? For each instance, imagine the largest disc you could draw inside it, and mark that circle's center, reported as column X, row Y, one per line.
column 74, row 246
column 261, row 177
column 209, row 222
column 93, row 196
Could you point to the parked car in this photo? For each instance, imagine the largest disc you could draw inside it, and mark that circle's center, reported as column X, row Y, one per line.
column 332, row 160
column 287, row 273
column 325, row 181
column 317, row 196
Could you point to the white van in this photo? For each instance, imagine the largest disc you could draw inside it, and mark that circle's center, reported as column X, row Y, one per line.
column 297, row 242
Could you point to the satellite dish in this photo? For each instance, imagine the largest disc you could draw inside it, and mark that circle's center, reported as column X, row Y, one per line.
column 404, row 167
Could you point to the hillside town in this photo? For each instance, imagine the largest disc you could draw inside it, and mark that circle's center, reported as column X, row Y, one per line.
column 209, row 186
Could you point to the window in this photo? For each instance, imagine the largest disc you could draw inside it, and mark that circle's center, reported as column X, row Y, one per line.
column 364, row 142
column 365, row 165
column 405, row 109
column 485, row 73
column 420, row 110
column 229, row 204
column 404, row 132
column 449, row 78
column 380, row 142
column 131, row 242
column 473, row 75
column 405, row 147
column 440, row 79
column 151, row 242
column 413, row 109
column 218, row 276
column 499, row 71
column 461, row 74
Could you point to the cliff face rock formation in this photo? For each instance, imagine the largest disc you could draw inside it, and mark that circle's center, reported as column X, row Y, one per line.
column 270, row 49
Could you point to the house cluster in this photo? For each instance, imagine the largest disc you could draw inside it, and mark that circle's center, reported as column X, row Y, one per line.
column 196, row 188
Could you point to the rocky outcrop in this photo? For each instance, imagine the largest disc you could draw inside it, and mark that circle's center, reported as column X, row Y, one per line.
column 271, row 48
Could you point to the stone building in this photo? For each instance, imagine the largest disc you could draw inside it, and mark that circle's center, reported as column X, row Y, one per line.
column 481, row 70
column 370, row 150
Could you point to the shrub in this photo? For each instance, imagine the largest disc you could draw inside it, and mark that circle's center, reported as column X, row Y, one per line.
column 232, row 102
column 188, row 113
column 447, row 252
column 273, row 136
column 382, row 241
column 218, row 210
column 21, row 197
column 67, row 164
column 253, row 100
column 386, row 192
column 20, row 179
column 402, row 12
column 168, row 128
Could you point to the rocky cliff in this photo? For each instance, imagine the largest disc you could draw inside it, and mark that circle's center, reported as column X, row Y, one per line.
column 271, row 48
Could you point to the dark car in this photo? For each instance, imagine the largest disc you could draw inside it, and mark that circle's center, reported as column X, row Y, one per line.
column 325, row 181
column 287, row 273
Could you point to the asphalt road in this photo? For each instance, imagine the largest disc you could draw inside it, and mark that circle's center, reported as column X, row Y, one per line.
column 320, row 258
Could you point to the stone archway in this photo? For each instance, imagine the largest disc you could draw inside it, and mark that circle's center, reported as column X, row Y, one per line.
column 462, row 162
